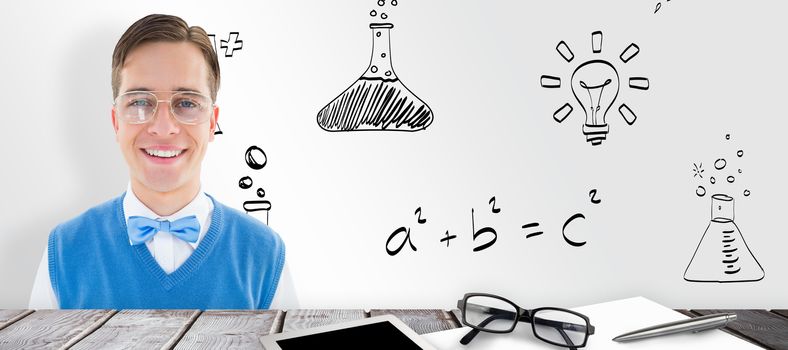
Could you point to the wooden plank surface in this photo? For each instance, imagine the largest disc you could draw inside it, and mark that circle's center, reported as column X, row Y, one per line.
column 421, row 321
column 758, row 326
column 51, row 329
column 140, row 329
column 457, row 316
column 783, row 313
column 303, row 319
column 7, row 317
column 231, row 329
column 241, row 329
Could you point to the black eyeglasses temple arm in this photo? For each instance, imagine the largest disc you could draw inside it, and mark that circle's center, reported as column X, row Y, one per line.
column 473, row 332
column 564, row 325
column 568, row 340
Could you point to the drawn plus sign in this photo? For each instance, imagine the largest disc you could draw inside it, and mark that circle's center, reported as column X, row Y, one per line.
column 236, row 44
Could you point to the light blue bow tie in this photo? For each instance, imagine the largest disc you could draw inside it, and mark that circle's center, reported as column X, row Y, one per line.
column 142, row 229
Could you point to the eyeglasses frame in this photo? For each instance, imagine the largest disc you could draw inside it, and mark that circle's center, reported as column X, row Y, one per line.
column 169, row 102
column 523, row 315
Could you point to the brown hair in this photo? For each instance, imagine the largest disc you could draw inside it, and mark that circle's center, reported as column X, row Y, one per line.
column 164, row 28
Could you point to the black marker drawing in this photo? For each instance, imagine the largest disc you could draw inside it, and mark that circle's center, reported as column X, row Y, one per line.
column 532, row 234
column 231, row 44
column 382, row 3
column 251, row 206
column 378, row 100
column 659, row 6
column 448, row 238
column 393, row 252
column 563, row 230
column 418, row 216
column 722, row 255
column 245, row 182
column 592, row 194
column 491, row 202
column 698, row 170
column 487, row 235
column 595, row 85
column 255, row 159
column 481, row 231
column 232, row 38
column 406, row 230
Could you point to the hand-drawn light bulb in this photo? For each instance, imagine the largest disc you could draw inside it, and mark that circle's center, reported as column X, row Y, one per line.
column 595, row 86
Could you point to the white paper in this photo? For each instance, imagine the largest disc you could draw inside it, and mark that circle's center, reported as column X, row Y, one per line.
column 610, row 320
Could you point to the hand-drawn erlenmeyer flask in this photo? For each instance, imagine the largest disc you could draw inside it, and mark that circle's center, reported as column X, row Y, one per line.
column 722, row 255
column 377, row 100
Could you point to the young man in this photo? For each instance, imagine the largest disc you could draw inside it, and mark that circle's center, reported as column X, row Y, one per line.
column 163, row 244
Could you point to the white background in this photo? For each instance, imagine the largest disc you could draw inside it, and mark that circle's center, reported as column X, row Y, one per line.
column 715, row 68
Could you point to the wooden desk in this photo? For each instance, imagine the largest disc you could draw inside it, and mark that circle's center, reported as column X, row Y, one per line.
column 217, row 329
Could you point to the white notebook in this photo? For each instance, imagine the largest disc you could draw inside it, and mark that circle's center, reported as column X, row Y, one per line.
column 610, row 320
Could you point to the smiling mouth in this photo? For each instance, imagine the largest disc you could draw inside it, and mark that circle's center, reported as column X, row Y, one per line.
column 158, row 153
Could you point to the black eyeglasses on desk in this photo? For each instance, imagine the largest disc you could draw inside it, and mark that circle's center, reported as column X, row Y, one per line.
column 494, row 314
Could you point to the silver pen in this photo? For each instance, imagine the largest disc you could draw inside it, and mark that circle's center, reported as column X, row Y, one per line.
column 696, row 324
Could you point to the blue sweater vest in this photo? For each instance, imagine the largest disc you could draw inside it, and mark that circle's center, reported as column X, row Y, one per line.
column 236, row 265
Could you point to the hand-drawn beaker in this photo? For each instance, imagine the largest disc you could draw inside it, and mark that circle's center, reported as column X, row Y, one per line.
column 722, row 254
column 377, row 100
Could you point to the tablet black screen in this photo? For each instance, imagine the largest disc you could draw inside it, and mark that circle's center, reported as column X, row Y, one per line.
column 381, row 335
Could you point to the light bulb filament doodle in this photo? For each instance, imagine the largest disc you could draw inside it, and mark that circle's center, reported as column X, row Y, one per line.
column 601, row 88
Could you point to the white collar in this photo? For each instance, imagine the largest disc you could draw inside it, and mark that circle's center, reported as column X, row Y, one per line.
column 201, row 207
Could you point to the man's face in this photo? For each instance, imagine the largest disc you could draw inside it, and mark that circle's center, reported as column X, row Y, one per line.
column 148, row 147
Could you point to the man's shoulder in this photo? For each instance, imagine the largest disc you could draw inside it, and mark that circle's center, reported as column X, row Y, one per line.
column 102, row 213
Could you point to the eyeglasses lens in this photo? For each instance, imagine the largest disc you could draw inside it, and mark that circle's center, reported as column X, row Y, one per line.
column 489, row 313
column 140, row 107
column 560, row 327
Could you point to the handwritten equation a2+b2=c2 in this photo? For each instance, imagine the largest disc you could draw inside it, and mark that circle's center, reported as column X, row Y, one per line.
column 485, row 236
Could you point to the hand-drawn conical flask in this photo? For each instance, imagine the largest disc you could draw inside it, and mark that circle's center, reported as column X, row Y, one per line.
column 377, row 100
column 722, row 255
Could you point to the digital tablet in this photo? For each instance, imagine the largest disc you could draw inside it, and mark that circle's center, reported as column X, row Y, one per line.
column 379, row 332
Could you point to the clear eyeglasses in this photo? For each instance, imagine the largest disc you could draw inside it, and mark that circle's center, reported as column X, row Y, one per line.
column 139, row 107
column 494, row 314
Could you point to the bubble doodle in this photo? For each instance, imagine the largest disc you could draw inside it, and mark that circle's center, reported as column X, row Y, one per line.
column 740, row 153
column 384, row 15
column 255, row 157
column 701, row 191
column 712, row 180
column 720, row 164
column 245, row 182
column 731, row 179
column 373, row 13
column 381, row 2
column 746, row 193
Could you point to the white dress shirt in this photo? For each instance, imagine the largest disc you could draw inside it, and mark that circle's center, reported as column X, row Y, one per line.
column 169, row 251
